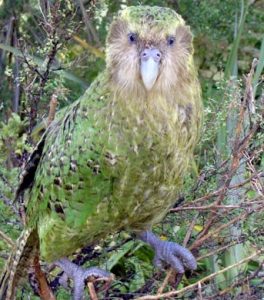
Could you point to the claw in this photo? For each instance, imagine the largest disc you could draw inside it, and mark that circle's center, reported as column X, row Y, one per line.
column 63, row 280
column 157, row 262
column 80, row 275
column 175, row 263
column 178, row 257
column 185, row 256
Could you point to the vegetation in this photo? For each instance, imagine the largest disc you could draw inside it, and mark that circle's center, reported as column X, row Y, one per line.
column 50, row 51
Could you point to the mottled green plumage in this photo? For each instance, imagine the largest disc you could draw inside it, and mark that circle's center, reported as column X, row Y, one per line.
column 116, row 159
column 160, row 17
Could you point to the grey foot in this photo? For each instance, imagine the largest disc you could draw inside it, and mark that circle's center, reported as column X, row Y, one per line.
column 169, row 253
column 80, row 275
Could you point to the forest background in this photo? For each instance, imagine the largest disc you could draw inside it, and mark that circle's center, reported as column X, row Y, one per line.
column 50, row 51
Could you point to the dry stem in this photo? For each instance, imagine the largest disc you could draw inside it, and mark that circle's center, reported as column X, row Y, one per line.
column 52, row 110
column 92, row 291
column 7, row 239
column 206, row 278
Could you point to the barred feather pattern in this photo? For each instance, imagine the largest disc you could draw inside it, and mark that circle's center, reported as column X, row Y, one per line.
column 18, row 263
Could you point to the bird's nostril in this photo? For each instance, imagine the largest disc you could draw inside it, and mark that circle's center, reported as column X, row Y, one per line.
column 151, row 53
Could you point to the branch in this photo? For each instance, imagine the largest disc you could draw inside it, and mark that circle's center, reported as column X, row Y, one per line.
column 92, row 291
column 7, row 239
column 89, row 27
column 200, row 241
column 52, row 110
column 238, row 283
column 207, row 278
column 9, row 203
column 212, row 206
column 220, row 190
column 219, row 249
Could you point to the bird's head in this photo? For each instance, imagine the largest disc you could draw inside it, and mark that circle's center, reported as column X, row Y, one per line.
column 148, row 50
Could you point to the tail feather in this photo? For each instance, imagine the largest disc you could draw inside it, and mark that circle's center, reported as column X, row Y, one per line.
column 18, row 263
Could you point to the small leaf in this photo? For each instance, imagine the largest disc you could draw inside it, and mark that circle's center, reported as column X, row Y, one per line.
column 163, row 238
column 198, row 228
column 115, row 258
column 139, row 279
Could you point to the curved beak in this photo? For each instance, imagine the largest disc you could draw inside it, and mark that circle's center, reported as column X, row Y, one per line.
column 149, row 67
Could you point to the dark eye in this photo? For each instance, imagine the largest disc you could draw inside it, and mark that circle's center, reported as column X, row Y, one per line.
column 170, row 40
column 132, row 37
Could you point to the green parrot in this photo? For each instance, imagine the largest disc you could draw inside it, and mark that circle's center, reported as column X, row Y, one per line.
column 116, row 158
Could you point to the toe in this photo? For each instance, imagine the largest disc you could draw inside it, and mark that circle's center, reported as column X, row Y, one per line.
column 185, row 256
column 176, row 264
column 97, row 272
column 158, row 262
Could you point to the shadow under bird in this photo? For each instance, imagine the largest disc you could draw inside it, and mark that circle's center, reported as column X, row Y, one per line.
column 116, row 158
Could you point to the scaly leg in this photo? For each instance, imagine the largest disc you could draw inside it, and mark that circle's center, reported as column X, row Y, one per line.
column 79, row 275
column 170, row 253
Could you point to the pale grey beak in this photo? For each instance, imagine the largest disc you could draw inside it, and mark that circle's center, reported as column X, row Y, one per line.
column 149, row 67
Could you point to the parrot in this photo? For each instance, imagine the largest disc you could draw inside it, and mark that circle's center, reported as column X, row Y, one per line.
column 116, row 158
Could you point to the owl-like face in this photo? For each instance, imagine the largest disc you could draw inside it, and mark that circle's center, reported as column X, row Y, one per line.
column 148, row 48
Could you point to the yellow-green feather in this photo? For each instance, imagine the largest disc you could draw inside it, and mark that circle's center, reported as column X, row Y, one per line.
column 113, row 162
column 116, row 158
column 162, row 17
column 108, row 164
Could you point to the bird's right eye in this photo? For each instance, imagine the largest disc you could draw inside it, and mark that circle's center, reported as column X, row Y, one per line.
column 132, row 38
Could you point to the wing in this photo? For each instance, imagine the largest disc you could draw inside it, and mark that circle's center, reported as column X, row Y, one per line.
column 28, row 173
column 57, row 167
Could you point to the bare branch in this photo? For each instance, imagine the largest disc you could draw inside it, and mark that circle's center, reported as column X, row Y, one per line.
column 7, row 239
column 207, row 278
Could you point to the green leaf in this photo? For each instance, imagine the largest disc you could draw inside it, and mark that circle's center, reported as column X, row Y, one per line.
column 115, row 258
column 231, row 66
column 259, row 68
column 139, row 279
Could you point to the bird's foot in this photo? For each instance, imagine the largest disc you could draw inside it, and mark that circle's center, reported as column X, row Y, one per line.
column 169, row 253
column 80, row 276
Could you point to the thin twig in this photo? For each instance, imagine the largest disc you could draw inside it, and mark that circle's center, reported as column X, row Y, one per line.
column 165, row 281
column 89, row 27
column 9, row 203
column 236, row 156
column 189, row 232
column 200, row 295
column 201, row 281
column 256, row 183
column 211, row 206
column 217, row 192
column 7, row 239
column 239, row 146
column 218, row 250
column 92, row 291
column 203, row 238
column 238, row 283
column 52, row 109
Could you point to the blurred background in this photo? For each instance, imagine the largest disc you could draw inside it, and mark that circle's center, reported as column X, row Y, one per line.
column 50, row 52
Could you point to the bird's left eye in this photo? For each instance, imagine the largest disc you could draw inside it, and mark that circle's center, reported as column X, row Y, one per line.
column 132, row 37
column 170, row 40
